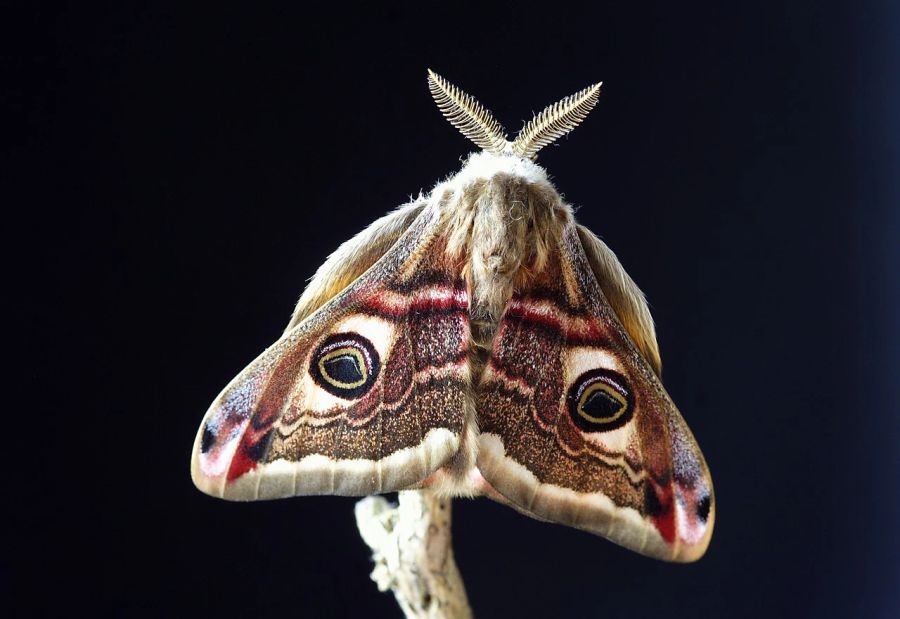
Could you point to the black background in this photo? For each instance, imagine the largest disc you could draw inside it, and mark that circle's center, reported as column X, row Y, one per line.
column 175, row 174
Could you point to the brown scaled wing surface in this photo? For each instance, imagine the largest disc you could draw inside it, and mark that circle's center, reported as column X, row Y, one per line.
column 366, row 395
column 575, row 426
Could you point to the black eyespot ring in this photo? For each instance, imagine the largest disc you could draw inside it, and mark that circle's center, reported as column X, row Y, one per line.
column 600, row 401
column 345, row 365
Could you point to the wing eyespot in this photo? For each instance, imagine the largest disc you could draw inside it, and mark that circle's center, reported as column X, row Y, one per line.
column 599, row 401
column 345, row 365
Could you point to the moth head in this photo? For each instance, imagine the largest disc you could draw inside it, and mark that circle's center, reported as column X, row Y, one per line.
column 478, row 124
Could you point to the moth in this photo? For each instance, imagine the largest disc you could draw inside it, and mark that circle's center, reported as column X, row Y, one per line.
column 475, row 341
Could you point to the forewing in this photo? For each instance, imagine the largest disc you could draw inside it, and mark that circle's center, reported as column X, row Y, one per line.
column 353, row 258
column 623, row 296
column 576, row 427
column 364, row 396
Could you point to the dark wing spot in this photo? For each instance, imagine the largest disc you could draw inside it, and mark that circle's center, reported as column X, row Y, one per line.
column 601, row 404
column 258, row 450
column 703, row 507
column 652, row 506
column 599, row 401
column 344, row 369
column 207, row 440
column 345, row 365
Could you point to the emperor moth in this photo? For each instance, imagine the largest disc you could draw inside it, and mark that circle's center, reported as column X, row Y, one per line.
column 475, row 341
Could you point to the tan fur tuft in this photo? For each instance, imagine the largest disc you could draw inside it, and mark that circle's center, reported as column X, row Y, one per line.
column 504, row 219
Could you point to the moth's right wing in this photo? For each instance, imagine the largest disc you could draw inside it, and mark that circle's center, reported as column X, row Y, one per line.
column 366, row 394
column 576, row 427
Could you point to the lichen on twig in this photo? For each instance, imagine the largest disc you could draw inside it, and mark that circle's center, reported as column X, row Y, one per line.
column 413, row 553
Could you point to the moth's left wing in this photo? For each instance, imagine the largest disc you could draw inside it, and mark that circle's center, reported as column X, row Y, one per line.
column 368, row 394
column 576, row 428
column 353, row 258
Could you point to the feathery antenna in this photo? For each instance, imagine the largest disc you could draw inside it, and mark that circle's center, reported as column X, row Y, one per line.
column 467, row 115
column 555, row 121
